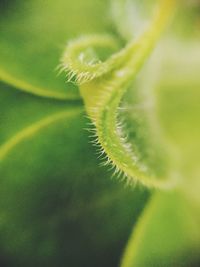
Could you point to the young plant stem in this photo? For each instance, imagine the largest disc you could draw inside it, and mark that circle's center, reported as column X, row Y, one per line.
column 102, row 94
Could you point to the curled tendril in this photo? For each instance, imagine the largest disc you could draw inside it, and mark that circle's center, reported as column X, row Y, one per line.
column 80, row 61
column 103, row 83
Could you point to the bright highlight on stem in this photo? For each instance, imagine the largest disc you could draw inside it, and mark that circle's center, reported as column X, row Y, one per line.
column 104, row 83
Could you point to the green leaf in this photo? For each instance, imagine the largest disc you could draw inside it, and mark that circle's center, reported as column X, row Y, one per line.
column 32, row 38
column 167, row 234
column 178, row 98
column 56, row 202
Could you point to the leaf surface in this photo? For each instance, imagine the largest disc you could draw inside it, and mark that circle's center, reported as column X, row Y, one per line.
column 167, row 234
column 32, row 38
column 56, row 202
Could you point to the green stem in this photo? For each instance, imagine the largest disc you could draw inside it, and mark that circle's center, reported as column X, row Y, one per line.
column 102, row 95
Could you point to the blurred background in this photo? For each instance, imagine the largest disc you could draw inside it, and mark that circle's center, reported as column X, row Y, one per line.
column 58, row 207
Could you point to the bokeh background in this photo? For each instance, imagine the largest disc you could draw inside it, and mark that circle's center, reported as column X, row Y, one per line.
column 58, row 206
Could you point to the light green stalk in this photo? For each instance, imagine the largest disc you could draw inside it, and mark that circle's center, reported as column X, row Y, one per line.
column 103, row 84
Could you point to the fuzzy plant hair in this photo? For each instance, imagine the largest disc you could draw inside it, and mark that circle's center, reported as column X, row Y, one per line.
column 103, row 83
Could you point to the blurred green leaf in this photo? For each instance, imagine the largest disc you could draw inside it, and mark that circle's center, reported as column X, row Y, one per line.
column 57, row 206
column 32, row 38
column 167, row 234
column 178, row 106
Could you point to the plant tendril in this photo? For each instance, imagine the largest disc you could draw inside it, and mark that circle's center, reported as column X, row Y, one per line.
column 103, row 83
